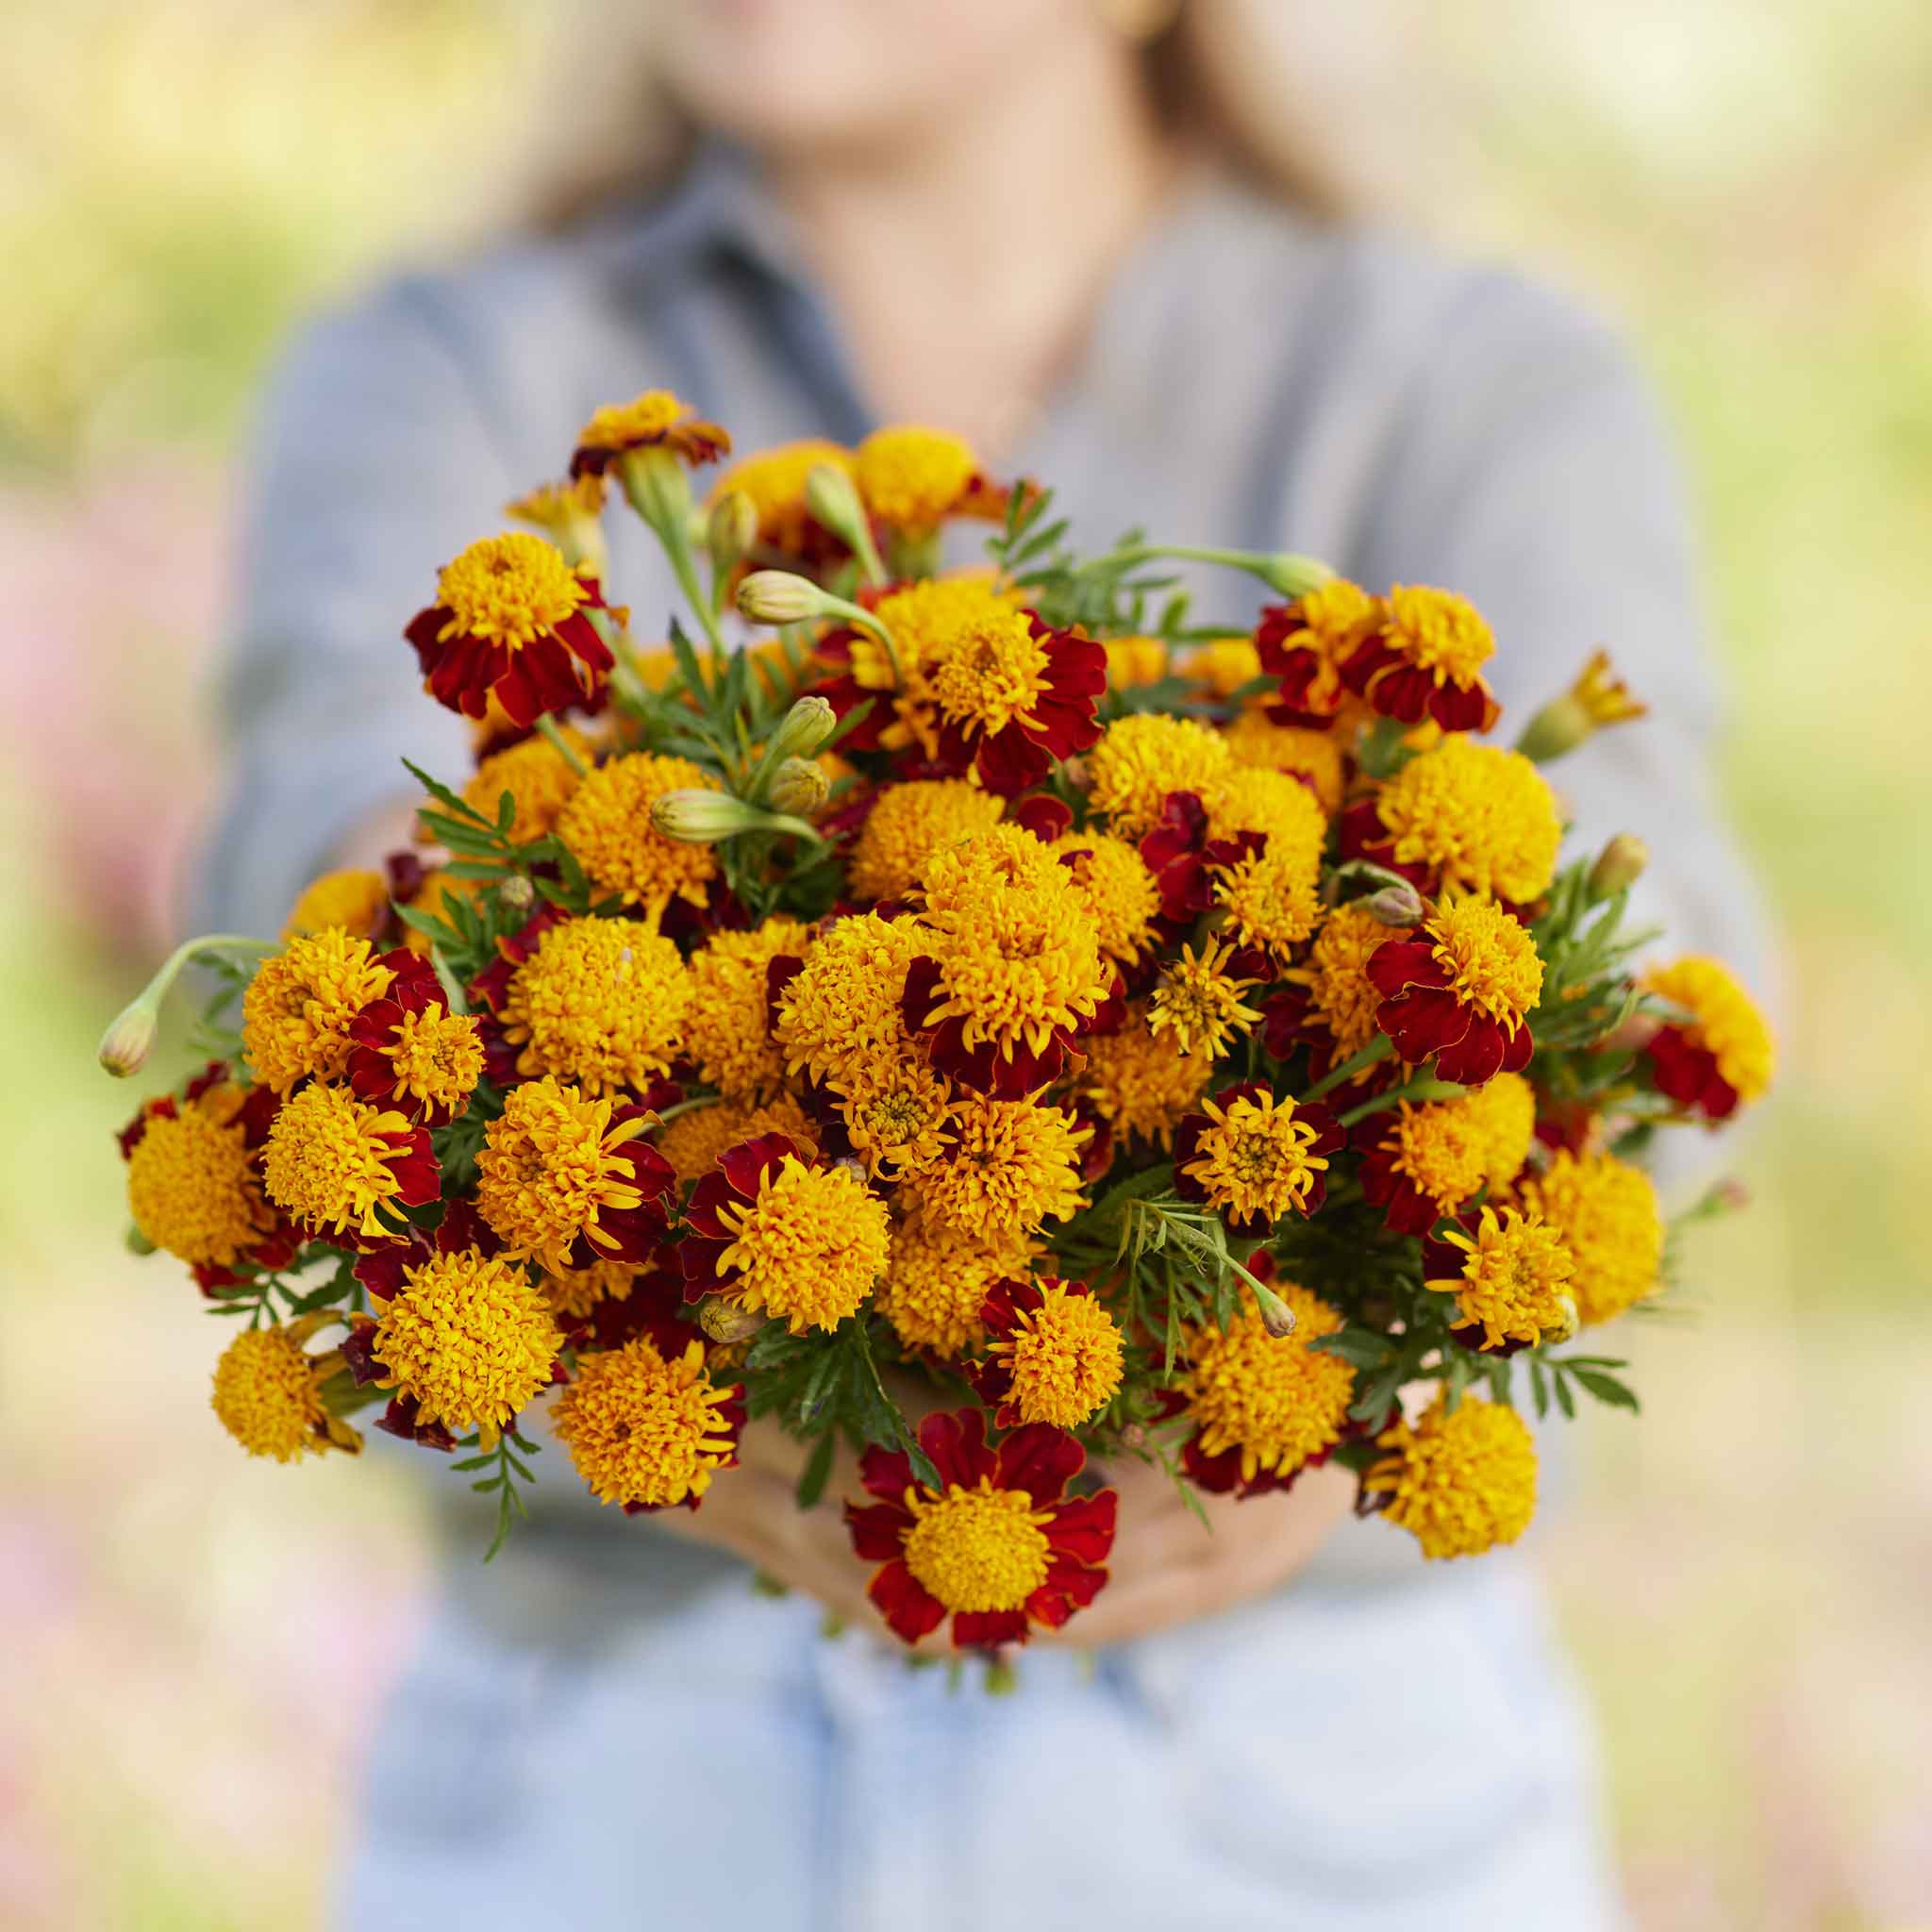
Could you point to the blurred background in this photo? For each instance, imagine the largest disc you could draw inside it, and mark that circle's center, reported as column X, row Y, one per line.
column 1747, row 183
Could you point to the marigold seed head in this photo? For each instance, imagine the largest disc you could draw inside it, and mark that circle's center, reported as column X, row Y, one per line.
column 296, row 1010
column 1460, row 1481
column 644, row 1428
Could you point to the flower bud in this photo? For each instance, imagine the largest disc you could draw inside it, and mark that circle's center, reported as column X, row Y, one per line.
column 128, row 1040
column 799, row 787
column 1619, row 866
column 1277, row 1316
column 1133, row 1436
column 1566, row 1325
column 780, row 596
column 833, row 500
column 1396, row 905
column 516, row 893
column 803, row 728
column 727, row 1321
column 731, row 529
column 1598, row 698
column 698, row 816
column 1293, row 576
column 137, row 1242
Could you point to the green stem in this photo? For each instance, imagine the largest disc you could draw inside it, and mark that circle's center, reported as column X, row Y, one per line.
column 548, row 728
column 1420, row 1088
column 1379, row 1049
column 1281, row 571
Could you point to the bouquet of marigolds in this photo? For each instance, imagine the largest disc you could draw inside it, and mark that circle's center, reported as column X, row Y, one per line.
column 994, row 998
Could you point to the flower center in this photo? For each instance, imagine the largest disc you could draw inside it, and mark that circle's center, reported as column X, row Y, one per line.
column 1200, row 1004
column 438, row 1057
column 1489, row 957
column 1437, row 1147
column 979, row 1549
column 1009, row 1167
column 510, row 590
column 992, row 673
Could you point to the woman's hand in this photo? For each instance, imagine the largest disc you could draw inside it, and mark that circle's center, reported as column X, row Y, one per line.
column 1167, row 1567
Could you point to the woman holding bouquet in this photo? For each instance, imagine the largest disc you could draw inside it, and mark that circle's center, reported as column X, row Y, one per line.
column 1071, row 230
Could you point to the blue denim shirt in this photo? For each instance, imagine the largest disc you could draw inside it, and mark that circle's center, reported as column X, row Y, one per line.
column 1249, row 379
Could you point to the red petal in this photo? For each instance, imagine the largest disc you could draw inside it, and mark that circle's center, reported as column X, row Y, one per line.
column 1083, row 1526
column 988, row 1629
column 905, row 1603
column 955, row 1442
column 878, row 1533
column 1040, row 1460
column 887, row 1472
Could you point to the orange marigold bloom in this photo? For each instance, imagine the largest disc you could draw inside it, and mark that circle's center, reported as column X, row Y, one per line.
column 268, row 1393
column 354, row 899
column 1198, row 1000
column 1459, row 1480
column 908, row 824
column 340, row 1167
column 1140, row 1082
column 1510, row 1274
column 1143, row 757
column 655, row 420
column 297, row 1009
column 1461, row 989
column 1256, row 1156
column 694, row 1140
column 1306, row 644
column 728, row 1036
column 913, row 478
column 1254, row 738
column 1055, row 1355
column 408, row 1050
column 1605, row 1213
column 1113, row 883
column 937, row 1279
column 606, row 823
column 774, row 479
column 1476, row 817
column 537, row 778
column 1424, row 659
column 193, row 1187
column 1010, row 1166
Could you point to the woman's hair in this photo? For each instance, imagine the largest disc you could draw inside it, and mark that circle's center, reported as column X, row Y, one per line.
column 1282, row 90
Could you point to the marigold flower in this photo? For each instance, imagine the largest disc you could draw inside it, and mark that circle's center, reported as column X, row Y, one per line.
column 1198, row 1000
column 268, row 1396
column 408, row 1050
column 602, row 1003
column 468, row 1339
column 936, row 1282
column 1264, row 1406
column 1597, row 697
column 912, row 479
column 570, row 514
column 1254, row 1156
column 1472, row 816
column 1140, row 1082
column 1010, row 1166
column 511, row 627
column 1343, row 1000
column 574, row 1293
column 537, row 779
column 1723, row 1054
column 1251, row 798
column 839, row 1017
column 1112, row 880
column 1512, row 1281
column 1461, row 991
column 1502, row 1115
column 1427, row 1161
column 1314, row 757
column 1605, row 1213
column 728, row 1033
column 908, row 824
column 192, row 1185
column 341, row 1166
column 1459, row 1480
column 563, row 1179
column 895, row 1117
column 1132, row 661
column 297, row 1010
column 606, row 823
column 998, row 1546
column 693, row 1140
column 1011, row 970
column 1143, row 757
column 1424, row 659
column 774, row 1233
column 1013, row 695
column 774, row 479
column 645, row 1427
column 1306, row 644
column 655, row 420
column 1054, row 1354
column 1271, row 898
column 354, row 900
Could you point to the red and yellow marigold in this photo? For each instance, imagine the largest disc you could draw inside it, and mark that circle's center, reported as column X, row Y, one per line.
column 1460, row 990
column 1721, row 1055
column 1424, row 659
column 655, row 420
column 1605, row 1213
column 1512, row 1275
column 297, row 1010
column 339, row 1166
column 1054, row 1355
column 1459, row 1480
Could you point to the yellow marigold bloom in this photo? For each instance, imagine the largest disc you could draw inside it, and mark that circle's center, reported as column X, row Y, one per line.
column 809, row 1247
column 1132, row 661
column 608, row 824
column 1340, row 993
column 191, row 1183
column 1112, row 882
column 1501, row 1115
column 692, row 1141
column 1256, row 1156
column 1253, row 798
column 332, row 1162
column 268, row 1397
column 653, row 420
column 539, row 781
column 1270, row 1401
column 1435, row 1147
column 1019, row 955
column 1489, row 958
column 1606, row 1212
column 296, row 1010
column 1460, row 1481
column 354, row 899
column 1060, row 1362
column 993, row 670
column 1308, row 642
column 775, row 480
column 470, row 1340
column 1483, row 818
column 936, row 1283
column 550, row 1166
column 925, row 618
column 896, row 1116
column 840, row 1017
column 644, row 1428
column 727, row 1035
column 1605, row 695
column 435, row 1059
column 602, row 1003
column 1200, row 1003
column 1143, row 757
column 912, row 477
column 1271, row 898
column 1140, row 1082
column 1011, row 1166
column 1597, row 697
column 909, row 825
column 978, row 1550
column 1225, row 664
column 511, row 590
column 1515, row 1284
column 1253, row 738
column 573, row 1292
column 1725, row 1022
